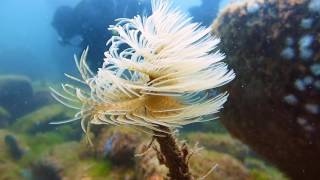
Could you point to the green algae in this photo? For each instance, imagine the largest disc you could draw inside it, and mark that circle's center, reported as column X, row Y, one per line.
column 4, row 114
column 261, row 171
column 99, row 168
column 43, row 115
column 220, row 142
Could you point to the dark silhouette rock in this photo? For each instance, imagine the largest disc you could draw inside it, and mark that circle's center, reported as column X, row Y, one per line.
column 274, row 103
column 86, row 24
column 15, row 149
column 16, row 94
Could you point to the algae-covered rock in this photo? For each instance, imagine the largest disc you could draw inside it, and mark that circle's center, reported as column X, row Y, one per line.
column 46, row 170
column 38, row 121
column 259, row 170
column 223, row 143
column 8, row 168
column 274, row 48
column 227, row 167
column 15, row 94
column 4, row 117
column 118, row 145
column 15, row 149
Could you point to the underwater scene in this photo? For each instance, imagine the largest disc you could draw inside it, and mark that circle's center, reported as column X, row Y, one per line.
column 160, row 90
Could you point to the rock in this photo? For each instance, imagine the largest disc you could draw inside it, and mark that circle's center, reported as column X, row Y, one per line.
column 42, row 98
column 15, row 94
column 4, row 117
column 84, row 24
column 8, row 167
column 118, row 145
column 15, row 149
column 46, row 170
column 148, row 167
column 259, row 170
column 274, row 48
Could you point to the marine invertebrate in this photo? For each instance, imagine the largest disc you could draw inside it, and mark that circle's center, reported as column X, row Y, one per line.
column 157, row 83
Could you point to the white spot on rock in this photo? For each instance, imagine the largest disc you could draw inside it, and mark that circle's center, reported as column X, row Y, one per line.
column 299, row 84
column 312, row 108
column 314, row 6
column 306, row 23
column 304, row 46
column 315, row 69
column 289, row 41
column 291, row 99
column 302, row 121
column 288, row 53
column 308, row 80
column 253, row 7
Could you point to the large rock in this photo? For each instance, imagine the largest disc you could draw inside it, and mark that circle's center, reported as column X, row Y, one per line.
column 274, row 103
column 118, row 145
column 15, row 94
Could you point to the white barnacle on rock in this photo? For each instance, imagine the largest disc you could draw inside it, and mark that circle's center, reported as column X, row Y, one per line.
column 315, row 69
column 302, row 121
column 308, row 80
column 314, row 6
column 253, row 7
column 306, row 23
column 300, row 85
column 312, row 108
column 160, row 80
column 291, row 99
column 288, row 53
column 304, row 46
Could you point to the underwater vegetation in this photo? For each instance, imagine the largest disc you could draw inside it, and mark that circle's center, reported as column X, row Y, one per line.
column 85, row 24
column 274, row 105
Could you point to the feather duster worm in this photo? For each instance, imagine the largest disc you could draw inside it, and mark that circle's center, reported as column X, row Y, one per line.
column 154, row 77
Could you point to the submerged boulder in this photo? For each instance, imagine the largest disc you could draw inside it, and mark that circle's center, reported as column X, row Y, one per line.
column 274, row 103
column 118, row 145
column 15, row 149
column 15, row 94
